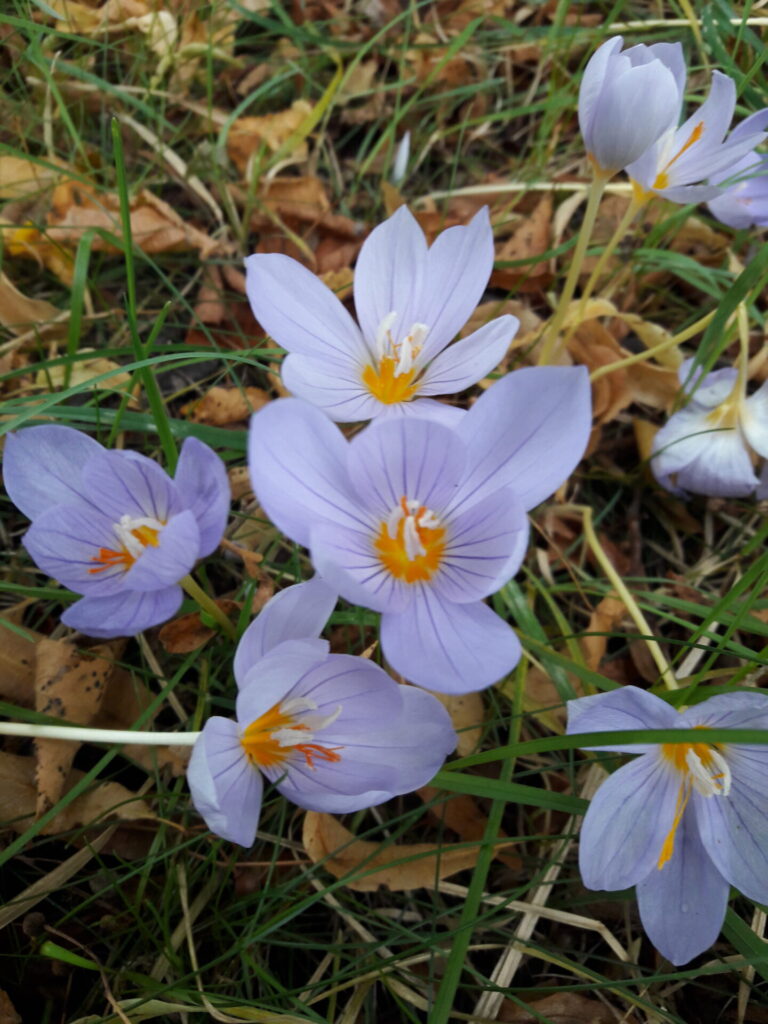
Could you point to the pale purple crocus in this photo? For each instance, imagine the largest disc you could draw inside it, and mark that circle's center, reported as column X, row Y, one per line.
column 420, row 521
column 628, row 100
column 697, row 151
column 411, row 301
column 744, row 203
column 333, row 732
column 682, row 822
column 112, row 525
column 711, row 446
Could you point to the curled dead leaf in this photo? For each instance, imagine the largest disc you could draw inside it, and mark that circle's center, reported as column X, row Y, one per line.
column 188, row 632
column 221, row 407
column 20, row 314
column 248, row 134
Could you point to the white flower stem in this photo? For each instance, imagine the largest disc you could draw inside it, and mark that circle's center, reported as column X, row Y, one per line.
column 80, row 734
column 549, row 345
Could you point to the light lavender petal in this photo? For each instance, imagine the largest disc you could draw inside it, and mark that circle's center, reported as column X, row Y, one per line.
column 349, row 563
column 201, row 478
column 625, row 708
column 335, row 387
column 174, row 557
column 42, row 467
column 124, row 614
column 127, row 483
column 465, row 362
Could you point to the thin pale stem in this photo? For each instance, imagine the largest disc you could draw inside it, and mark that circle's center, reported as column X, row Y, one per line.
column 656, row 350
column 665, row 669
column 549, row 345
column 80, row 734
column 208, row 605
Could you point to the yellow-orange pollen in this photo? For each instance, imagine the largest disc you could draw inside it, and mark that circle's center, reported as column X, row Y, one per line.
column 703, row 769
column 391, row 378
column 285, row 728
column 662, row 178
column 133, row 533
column 411, row 542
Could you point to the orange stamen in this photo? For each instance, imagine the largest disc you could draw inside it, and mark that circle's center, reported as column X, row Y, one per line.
column 389, row 387
column 393, row 555
column 662, row 178
column 107, row 558
column 264, row 751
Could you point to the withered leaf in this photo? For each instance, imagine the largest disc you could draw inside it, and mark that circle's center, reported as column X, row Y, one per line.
column 221, row 407
column 188, row 633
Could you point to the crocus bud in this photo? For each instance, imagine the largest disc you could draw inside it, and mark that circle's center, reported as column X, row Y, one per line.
column 628, row 100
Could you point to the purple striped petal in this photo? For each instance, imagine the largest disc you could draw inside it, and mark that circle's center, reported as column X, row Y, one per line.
column 295, row 613
column 627, row 823
column 527, row 432
column 449, row 648
column 408, row 457
column 172, row 559
column 459, row 264
column 730, row 711
column 625, row 708
column 126, row 483
column 226, row 789
column 734, row 828
column 427, row 408
column 296, row 309
column 485, row 547
column 202, row 482
column 124, row 614
column 333, row 386
column 682, row 906
column 390, row 275
column 42, row 467
column 346, row 559
column 467, row 361
column 297, row 463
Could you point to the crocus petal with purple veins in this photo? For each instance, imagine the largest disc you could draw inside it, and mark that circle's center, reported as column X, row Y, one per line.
column 202, row 482
column 172, row 559
column 130, row 484
column 625, row 708
column 297, row 462
column 682, row 906
column 734, row 829
column 269, row 680
column 729, row 711
column 527, row 432
column 754, row 420
column 123, row 614
column 42, row 467
column 744, row 203
column 334, row 387
column 428, row 408
column 390, row 275
column 708, row 390
column 464, row 363
column 347, row 560
column 315, row 325
column 446, row 647
column 627, row 823
column 296, row 613
column 226, row 789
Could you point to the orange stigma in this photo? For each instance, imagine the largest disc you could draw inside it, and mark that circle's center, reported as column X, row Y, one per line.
column 411, row 543
column 135, row 535
column 271, row 738
column 387, row 385
column 662, row 178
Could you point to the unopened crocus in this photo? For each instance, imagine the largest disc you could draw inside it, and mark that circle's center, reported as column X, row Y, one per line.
column 682, row 822
column 628, row 100
column 420, row 521
column 744, row 203
column 112, row 525
column 333, row 732
column 711, row 446
column 410, row 299
column 675, row 166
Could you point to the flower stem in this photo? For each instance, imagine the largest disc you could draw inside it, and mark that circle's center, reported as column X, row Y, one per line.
column 664, row 346
column 665, row 669
column 81, row 734
column 208, row 605
column 549, row 345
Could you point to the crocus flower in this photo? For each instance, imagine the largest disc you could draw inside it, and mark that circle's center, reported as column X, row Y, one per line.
column 332, row 732
column 628, row 100
column 112, row 525
column 744, row 203
column 410, row 301
column 420, row 521
column 682, row 822
column 710, row 446
column 695, row 151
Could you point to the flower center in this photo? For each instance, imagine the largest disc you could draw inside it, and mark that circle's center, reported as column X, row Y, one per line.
column 662, row 178
column 286, row 727
column 134, row 534
column 705, row 770
column 391, row 378
column 411, row 542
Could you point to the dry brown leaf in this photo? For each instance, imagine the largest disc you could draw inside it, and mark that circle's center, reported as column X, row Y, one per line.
column 17, row 660
column 20, row 178
column 540, row 697
column 644, row 435
column 594, row 346
column 84, row 371
column 18, row 797
column 467, row 714
column 531, row 239
column 20, row 314
column 461, row 814
column 239, row 482
column 8, row 1013
column 606, row 617
column 68, row 684
column 248, row 135
column 357, row 82
column 252, row 560
column 559, row 1008
column 188, row 633
column 302, row 199
column 221, row 407
column 326, row 839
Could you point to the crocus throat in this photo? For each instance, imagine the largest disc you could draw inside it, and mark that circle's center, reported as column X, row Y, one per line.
column 705, row 770
column 662, row 178
column 134, row 534
column 411, row 542
column 286, row 727
column 391, row 377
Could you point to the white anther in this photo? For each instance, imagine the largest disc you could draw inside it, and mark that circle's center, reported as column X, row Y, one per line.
column 384, row 343
column 394, row 521
column 291, row 737
column 296, row 705
column 303, row 732
column 405, row 362
column 428, row 520
column 712, row 779
column 124, row 532
column 412, row 540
